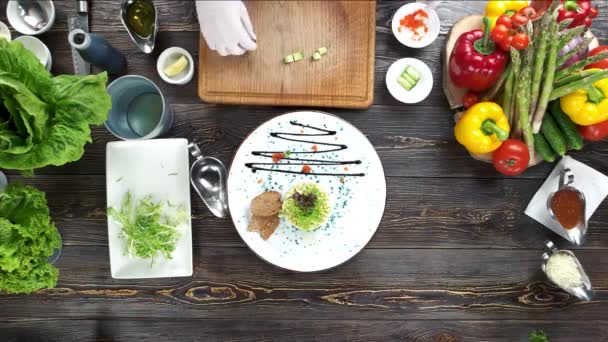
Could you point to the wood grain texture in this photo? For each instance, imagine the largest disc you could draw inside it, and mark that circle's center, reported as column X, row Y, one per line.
column 425, row 213
column 302, row 331
column 411, row 141
column 342, row 78
column 455, row 258
column 232, row 283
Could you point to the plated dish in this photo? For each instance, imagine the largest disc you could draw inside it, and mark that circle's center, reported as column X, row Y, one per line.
column 306, row 191
column 148, row 190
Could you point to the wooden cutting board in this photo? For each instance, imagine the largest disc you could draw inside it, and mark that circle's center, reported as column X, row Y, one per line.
column 344, row 77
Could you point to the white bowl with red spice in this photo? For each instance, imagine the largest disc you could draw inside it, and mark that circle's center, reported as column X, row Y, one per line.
column 415, row 25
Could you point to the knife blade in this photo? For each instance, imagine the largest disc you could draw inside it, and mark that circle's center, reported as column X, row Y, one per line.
column 80, row 21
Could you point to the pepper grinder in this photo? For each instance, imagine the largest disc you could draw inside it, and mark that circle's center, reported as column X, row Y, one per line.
column 97, row 51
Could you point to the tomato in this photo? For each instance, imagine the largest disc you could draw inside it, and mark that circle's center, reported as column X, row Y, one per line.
column 529, row 12
column 595, row 132
column 603, row 64
column 520, row 41
column 470, row 98
column 511, row 158
column 518, row 20
column 499, row 33
column 593, row 12
column 504, row 20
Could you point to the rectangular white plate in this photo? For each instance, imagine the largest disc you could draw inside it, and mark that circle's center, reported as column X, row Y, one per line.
column 149, row 167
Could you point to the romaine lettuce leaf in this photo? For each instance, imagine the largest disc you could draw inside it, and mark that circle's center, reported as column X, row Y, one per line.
column 48, row 117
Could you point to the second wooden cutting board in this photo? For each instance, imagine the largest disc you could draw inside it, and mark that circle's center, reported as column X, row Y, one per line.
column 344, row 77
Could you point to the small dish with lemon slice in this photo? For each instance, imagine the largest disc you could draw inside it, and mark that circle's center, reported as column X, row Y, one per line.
column 175, row 66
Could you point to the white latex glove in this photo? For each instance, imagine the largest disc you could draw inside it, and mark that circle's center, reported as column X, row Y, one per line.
column 226, row 26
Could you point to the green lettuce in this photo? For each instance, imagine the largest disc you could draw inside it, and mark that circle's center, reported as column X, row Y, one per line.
column 27, row 239
column 44, row 120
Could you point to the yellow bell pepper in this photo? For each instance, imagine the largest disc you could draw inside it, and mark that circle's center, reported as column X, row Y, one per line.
column 482, row 128
column 496, row 8
column 587, row 106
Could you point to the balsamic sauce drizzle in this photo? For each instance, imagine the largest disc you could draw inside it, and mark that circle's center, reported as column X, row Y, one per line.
column 301, row 161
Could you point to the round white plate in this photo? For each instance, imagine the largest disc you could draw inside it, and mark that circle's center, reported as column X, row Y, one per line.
column 406, row 36
column 420, row 91
column 357, row 202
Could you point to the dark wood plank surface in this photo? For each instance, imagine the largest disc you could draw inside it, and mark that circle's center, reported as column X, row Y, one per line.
column 455, row 258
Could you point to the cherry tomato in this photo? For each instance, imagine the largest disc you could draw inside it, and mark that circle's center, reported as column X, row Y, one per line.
column 470, row 98
column 529, row 12
column 603, row 64
column 511, row 158
column 505, row 45
column 504, row 20
column 518, row 20
column 520, row 41
column 595, row 132
column 499, row 33
column 593, row 12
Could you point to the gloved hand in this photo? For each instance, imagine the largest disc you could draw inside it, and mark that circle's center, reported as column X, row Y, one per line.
column 226, row 26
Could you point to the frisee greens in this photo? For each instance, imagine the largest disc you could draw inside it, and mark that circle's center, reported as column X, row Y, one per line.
column 150, row 228
column 27, row 239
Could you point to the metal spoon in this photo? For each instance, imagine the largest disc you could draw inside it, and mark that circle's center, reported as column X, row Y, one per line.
column 145, row 44
column 208, row 177
column 32, row 13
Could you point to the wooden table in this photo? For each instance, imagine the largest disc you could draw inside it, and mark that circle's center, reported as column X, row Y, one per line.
column 455, row 258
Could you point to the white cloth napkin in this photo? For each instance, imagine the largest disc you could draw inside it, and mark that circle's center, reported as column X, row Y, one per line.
column 593, row 184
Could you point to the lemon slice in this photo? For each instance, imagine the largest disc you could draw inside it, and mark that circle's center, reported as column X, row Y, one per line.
column 176, row 67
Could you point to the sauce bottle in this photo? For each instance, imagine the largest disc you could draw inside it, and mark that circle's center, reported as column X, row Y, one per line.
column 97, row 51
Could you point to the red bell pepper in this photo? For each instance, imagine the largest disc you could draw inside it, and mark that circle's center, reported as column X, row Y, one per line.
column 579, row 10
column 475, row 63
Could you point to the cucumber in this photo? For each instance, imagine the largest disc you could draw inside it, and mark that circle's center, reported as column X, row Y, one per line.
column 409, row 78
column 316, row 56
column 574, row 140
column 298, row 56
column 412, row 72
column 541, row 146
column 405, row 83
column 288, row 59
column 322, row 50
column 553, row 135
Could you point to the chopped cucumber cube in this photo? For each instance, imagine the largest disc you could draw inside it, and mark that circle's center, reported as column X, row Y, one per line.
column 316, row 56
column 288, row 59
column 322, row 50
column 298, row 56
column 405, row 83
column 413, row 73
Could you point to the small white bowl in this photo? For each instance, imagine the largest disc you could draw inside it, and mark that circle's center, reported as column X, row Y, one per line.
column 406, row 36
column 16, row 21
column 420, row 91
column 37, row 47
column 169, row 56
column 5, row 32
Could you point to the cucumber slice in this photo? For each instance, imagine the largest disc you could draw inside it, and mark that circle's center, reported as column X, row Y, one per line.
column 408, row 78
column 288, row 59
column 413, row 73
column 298, row 56
column 316, row 56
column 322, row 50
column 408, row 85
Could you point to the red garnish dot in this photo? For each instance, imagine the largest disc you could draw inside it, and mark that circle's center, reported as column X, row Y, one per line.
column 302, row 131
column 346, row 168
column 341, row 179
column 306, row 169
column 260, row 181
column 276, row 157
column 315, row 148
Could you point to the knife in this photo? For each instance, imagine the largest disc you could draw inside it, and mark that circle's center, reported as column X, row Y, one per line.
column 81, row 21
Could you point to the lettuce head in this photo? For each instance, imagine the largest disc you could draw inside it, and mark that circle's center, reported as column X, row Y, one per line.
column 27, row 239
column 44, row 120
